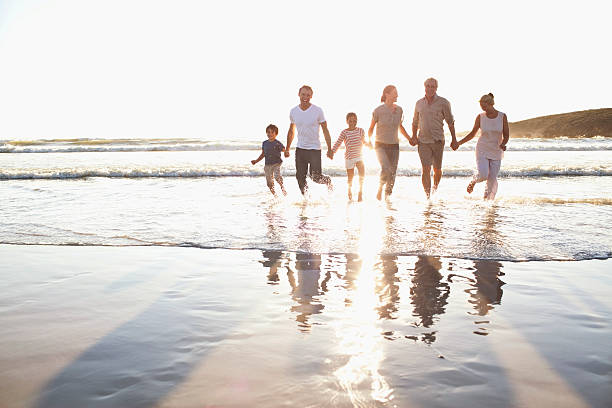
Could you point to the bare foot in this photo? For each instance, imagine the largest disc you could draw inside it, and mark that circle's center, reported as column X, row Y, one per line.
column 470, row 186
column 379, row 194
column 360, row 197
column 350, row 195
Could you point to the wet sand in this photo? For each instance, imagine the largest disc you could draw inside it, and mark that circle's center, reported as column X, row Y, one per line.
column 186, row 327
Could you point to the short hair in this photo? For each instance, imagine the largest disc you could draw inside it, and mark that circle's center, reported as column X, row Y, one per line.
column 488, row 99
column 272, row 128
column 434, row 80
column 348, row 115
column 305, row 87
column 387, row 89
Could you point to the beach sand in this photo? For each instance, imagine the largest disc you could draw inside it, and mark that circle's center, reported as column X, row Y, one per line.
column 186, row 327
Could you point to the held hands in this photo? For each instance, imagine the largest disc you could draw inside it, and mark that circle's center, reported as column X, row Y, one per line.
column 413, row 141
column 503, row 147
column 287, row 152
column 454, row 145
column 330, row 154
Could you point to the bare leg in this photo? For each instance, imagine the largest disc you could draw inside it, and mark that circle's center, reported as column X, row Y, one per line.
column 361, row 169
column 271, row 187
column 350, row 173
column 470, row 186
column 279, row 180
column 426, row 179
column 437, row 177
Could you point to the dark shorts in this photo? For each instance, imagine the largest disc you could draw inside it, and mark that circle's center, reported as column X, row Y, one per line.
column 431, row 154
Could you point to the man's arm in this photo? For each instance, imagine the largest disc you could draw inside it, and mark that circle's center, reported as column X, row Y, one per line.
column 451, row 127
column 289, row 139
column 327, row 138
column 415, row 127
column 450, row 121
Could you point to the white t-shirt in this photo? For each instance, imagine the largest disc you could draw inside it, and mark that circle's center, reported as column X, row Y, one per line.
column 307, row 123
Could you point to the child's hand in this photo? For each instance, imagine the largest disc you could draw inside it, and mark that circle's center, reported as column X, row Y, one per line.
column 253, row 161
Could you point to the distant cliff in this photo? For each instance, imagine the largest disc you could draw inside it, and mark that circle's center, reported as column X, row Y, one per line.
column 596, row 122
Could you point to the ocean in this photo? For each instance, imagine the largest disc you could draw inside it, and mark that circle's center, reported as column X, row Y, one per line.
column 554, row 200
column 163, row 273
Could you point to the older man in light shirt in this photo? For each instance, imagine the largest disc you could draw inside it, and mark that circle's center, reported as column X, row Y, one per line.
column 430, row 113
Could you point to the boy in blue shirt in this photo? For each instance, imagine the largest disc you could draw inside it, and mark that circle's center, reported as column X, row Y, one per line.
column 271, row 149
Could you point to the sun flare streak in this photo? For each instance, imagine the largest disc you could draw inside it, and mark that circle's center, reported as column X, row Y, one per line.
column 359, row 332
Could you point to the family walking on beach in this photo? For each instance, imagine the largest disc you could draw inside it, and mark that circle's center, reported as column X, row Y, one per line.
column 430, row 113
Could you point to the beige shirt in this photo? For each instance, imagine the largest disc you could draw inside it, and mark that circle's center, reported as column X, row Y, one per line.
column 429, row 118
column 387, row 123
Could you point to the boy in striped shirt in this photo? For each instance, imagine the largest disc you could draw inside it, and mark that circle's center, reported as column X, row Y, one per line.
column 353, row 138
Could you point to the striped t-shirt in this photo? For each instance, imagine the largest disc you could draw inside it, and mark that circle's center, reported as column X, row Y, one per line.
column 353, row 139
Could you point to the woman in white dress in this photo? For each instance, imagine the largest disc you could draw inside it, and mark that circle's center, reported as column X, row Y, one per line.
column 494, row 135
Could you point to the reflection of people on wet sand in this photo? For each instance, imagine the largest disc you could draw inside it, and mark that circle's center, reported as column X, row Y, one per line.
column 305, row 290
column 353, row 269
column 487, row 289
column 428, row 293
column 273, row 261
column 387, row 287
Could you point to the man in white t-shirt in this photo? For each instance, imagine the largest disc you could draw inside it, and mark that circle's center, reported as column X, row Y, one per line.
column 307, row 118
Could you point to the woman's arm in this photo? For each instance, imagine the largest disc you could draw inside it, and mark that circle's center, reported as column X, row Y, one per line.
column 403, row 131
column 371, row 129
column 505, row 134
column 470, row 135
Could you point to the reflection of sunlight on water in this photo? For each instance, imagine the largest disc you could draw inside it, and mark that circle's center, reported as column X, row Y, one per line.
column 358, row 331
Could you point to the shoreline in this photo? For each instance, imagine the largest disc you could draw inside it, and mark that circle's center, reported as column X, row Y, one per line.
column 301, row 252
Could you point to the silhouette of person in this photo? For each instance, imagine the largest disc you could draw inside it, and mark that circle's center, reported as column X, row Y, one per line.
column 305, row 289
column 486, row 290
column 428, row 293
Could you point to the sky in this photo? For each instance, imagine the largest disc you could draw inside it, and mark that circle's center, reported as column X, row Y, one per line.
column 224, row 70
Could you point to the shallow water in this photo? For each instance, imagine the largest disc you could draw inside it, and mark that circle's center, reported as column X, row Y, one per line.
column 567, row 221
column 184, row 327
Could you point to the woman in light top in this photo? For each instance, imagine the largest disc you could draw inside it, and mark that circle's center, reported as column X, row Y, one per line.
column 388, row 120
column 494, row 135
